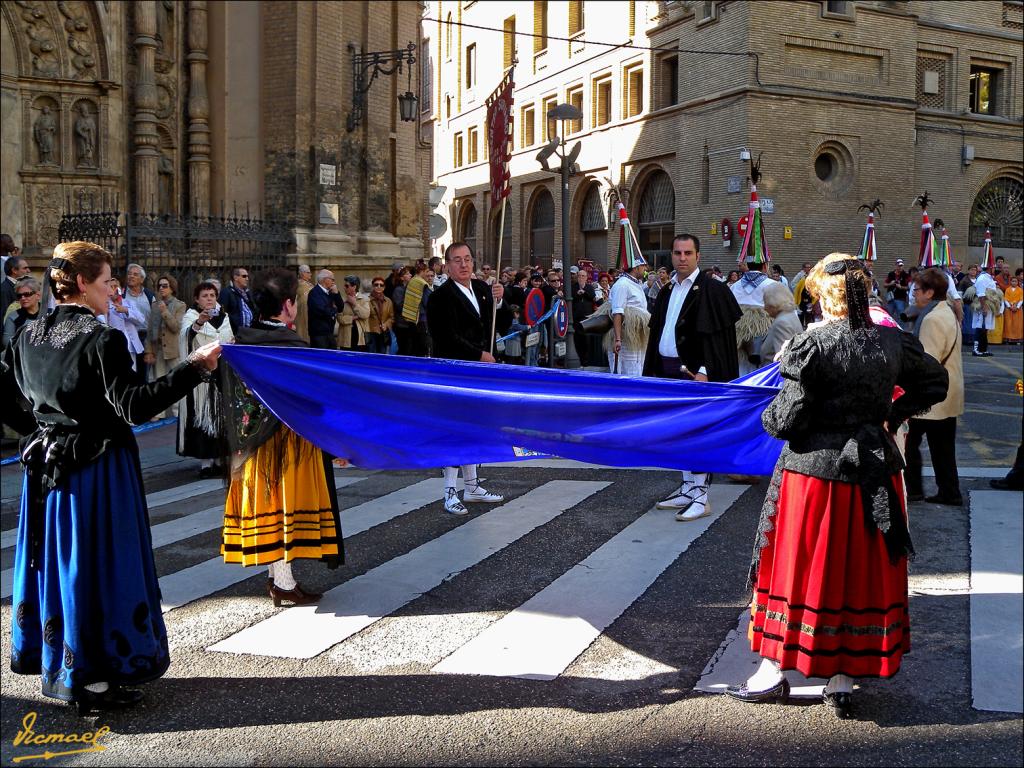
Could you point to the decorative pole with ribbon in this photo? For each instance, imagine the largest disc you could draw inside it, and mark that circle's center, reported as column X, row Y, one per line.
column 868, row 249
column 988, row 258
column 754, row 248
column 928, row 246
column 499, row 137
column 943, row 254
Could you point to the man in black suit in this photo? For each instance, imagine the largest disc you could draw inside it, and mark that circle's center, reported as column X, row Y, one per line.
column 459, row 318
column 323, row 305
column 236, row 301
column 693, row 336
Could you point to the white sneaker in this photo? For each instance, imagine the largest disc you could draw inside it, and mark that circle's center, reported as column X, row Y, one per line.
column 452, row 504
column 681, row 499
column 698, row 508
column 479, row 495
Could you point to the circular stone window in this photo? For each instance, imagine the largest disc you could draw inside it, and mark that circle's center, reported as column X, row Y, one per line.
column 833, row 168
column 825, row 166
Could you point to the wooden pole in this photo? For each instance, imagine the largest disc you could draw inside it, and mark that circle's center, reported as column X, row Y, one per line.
column 501, row 242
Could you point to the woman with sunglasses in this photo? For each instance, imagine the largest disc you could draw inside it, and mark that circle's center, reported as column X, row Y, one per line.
column 382, row 317
column 27, row 294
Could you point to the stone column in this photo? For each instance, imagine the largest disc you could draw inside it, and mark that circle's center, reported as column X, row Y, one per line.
column 147, row 140
column 198, row 111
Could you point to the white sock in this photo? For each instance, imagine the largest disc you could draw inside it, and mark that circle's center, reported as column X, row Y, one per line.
column 283, row 578
column 699, row 480
column 839, row 684
column 767, row 676
column 451, row 477
column 98, row 687
column 469, row 477
column 686, row 483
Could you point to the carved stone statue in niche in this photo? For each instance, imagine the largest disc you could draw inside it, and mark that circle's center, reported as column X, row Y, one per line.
column 164, row 34
column 43, row 132
column 166, row 170
column 85, row 136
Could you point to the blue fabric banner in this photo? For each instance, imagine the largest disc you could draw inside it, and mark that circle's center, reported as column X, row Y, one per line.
column 394, row 412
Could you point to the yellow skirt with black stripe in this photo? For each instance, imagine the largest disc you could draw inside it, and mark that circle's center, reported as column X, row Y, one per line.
column 269, row 519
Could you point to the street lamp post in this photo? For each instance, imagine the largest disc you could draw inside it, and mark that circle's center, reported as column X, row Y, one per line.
column 566, row 168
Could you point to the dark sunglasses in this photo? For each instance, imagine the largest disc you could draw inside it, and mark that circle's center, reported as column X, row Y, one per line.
column 378, row 285
column 164, row 285
column 25, row 295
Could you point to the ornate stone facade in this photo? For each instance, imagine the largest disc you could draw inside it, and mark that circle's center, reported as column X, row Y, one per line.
column 184, row 107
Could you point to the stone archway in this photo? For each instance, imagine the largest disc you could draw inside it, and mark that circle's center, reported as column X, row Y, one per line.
column 999, row 205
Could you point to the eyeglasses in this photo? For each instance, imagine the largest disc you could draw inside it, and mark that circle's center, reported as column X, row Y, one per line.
column 164, row 285
column 554, row 280
column 378, row 285
column 25, row 295
column 246, row 276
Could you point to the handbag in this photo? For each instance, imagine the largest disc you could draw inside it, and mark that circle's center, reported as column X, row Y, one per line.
column 598, row 323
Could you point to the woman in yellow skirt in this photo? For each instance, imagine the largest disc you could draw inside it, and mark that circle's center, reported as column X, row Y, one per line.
column 280, row 505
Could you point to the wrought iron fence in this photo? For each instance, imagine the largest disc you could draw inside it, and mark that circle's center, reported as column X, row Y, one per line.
column 190, row 248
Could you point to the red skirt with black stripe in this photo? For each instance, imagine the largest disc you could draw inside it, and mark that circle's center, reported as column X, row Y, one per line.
column 827, row 599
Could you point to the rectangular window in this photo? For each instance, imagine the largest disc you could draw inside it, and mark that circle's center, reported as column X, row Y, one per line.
column 601, row 102
column 540, row 25
column 633, row 90
column 669, row 72
column 426, row 77
column 457, row 151
column 575, row 17
column 575, row 97
column 707, row 10
column 508, row 53
column 984, row 87
column 526, row 137
column 546, row 106
column 837, row 6
column 474, row 141
column 470, row 66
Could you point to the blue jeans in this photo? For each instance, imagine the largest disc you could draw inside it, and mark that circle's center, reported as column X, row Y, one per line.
column 896, row 308
column 378, row 342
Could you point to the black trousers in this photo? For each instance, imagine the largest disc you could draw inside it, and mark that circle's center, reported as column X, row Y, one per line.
column 981, row 338
column 941, row 435
column 329, row 341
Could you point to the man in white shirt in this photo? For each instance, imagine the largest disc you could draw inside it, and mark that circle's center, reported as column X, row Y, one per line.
column 984, row 319
column 753, row 326
column 630, row 319
column 693, row 336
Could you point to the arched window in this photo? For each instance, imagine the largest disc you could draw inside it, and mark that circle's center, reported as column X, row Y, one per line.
column 448, row 37
column 506, row 240
column 594, row 227
column 542, row 229
column 656, row 219
column 1000, row 204
column 467, row 232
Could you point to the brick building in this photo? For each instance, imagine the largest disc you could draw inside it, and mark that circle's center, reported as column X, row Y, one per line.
column 182, row 107
column 847, row 101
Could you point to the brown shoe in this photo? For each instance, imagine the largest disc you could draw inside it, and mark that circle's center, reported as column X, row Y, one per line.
column 295, row 596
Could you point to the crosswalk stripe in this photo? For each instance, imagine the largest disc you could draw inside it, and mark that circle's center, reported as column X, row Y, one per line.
column 174, row 531
column 205, row 578
column 540, row 638
column 304, row 632
column 997, row 612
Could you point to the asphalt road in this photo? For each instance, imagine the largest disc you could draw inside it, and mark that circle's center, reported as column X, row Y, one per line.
column 628, row 698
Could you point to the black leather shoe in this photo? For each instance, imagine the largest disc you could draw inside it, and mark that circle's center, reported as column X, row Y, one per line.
column 1002, row 484
column 114, row 697
column 841, row 704
column 949, row 502
column 778, row 692
column 296, row 596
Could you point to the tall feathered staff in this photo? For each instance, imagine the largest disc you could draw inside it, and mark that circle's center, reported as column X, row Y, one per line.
column 868, row 249
column 928, row 247
column 988, row 258
column 943, row 254
column 754, row 249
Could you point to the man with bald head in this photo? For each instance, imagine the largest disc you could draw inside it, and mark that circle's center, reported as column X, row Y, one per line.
column 324, row 303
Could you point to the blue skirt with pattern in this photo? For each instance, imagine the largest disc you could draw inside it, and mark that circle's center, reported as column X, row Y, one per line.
column 91, row 611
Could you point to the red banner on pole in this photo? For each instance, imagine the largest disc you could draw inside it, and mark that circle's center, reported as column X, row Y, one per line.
column 499, row 138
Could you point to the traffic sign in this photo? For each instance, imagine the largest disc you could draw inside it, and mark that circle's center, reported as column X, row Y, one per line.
column 533, row 306
column 561, row 319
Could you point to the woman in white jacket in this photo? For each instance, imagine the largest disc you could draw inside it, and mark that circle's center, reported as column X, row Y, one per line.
column 200, row 425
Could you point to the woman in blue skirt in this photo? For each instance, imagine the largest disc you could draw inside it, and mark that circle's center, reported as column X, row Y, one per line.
column 86, row 602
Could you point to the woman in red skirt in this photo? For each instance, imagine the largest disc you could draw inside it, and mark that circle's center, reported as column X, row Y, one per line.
column 829, row 572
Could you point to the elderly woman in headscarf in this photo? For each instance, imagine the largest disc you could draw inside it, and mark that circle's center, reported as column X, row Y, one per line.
column 829, row 570
column 778, row 303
